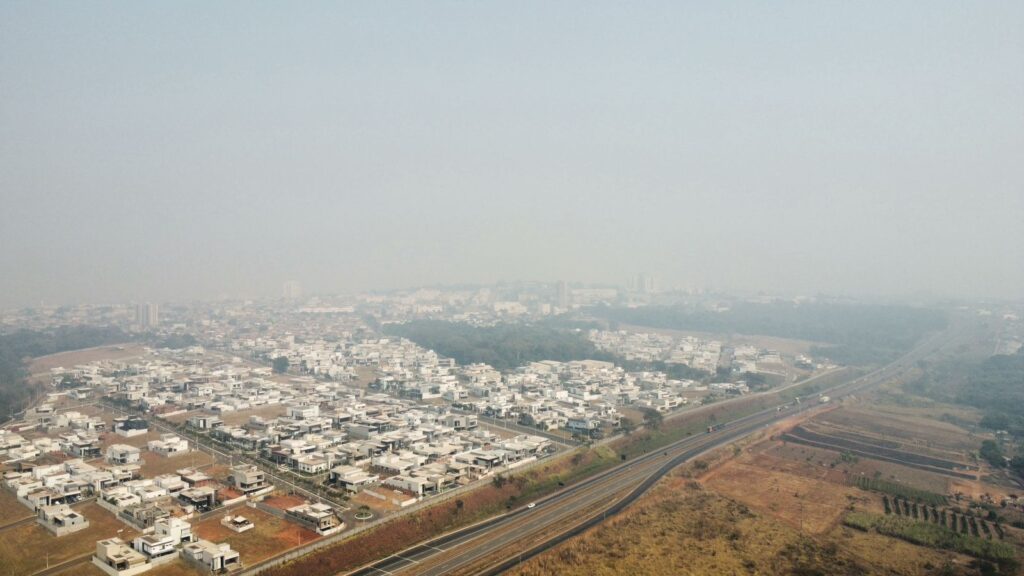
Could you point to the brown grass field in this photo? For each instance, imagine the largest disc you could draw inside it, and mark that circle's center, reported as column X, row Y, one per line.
column 908, row 426
column 84, row 569
column 10, row 509
column 24, row 549
column 769, row 508
column 155, row 464
column 683, row 527
column 828, row 465
column 139, row 441
column 679, row 528
column 813, row 505
column 177, row 568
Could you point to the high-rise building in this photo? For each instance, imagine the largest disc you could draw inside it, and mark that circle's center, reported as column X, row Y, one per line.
column 563, row 295
column 644, row 284
column 292, row 290
column 147, row 315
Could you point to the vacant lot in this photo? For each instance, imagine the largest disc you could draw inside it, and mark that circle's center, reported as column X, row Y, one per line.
column 154, row 464
column 138, row 441
column 242, row 416
column 830, row 465
column 803, row 502
column 909, row 427
column 41, row 366
column 855, row 445
column 377, row 505
column 177, row 568
column 26, row 549
column 271, row 535
column 10, row 509
column 786, row 346
column 282, row 502
column 83, row 569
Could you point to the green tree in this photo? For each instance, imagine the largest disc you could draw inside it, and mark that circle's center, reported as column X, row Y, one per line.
column 627, row 425
column 991, row 452
column 1017, row 464
column 281, row 364
column 652, row 418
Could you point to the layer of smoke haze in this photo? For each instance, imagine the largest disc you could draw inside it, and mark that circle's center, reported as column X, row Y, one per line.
column 179, row 150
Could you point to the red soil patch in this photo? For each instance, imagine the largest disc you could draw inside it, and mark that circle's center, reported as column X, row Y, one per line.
column 284, row 502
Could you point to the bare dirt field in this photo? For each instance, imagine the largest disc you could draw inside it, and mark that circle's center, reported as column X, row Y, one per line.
column 139, row 441
column 41, row 366
column 364, row 376
column 271, row 535
column 242, row 416
column 375, row 504
column 182, row 416
column 236, row 418
column 282, row 502
column 155, row 464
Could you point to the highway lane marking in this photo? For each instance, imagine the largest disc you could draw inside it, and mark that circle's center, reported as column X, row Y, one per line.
column 404, row 558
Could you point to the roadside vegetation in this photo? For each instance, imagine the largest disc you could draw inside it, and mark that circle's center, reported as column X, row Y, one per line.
column 900, row 490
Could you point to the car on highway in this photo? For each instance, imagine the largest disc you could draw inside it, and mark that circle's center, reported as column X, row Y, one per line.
column 531, row 505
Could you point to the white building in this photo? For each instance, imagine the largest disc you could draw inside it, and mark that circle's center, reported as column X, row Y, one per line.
column 121, row 454
column 216, row 558
column 168, row 534
column 168, row 445
column 61, row 519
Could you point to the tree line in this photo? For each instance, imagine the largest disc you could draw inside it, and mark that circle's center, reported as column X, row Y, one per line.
column 855, row 334
column 17, row 347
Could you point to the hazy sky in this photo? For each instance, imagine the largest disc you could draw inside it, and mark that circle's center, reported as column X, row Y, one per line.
column 158, row 151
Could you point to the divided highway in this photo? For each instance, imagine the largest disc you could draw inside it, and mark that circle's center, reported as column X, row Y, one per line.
column 487, row 547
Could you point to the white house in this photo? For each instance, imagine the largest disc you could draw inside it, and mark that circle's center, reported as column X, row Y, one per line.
column 168, row 534
column 116, row 558
column 168, row 445
column 216, row 558
column 122, row 454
